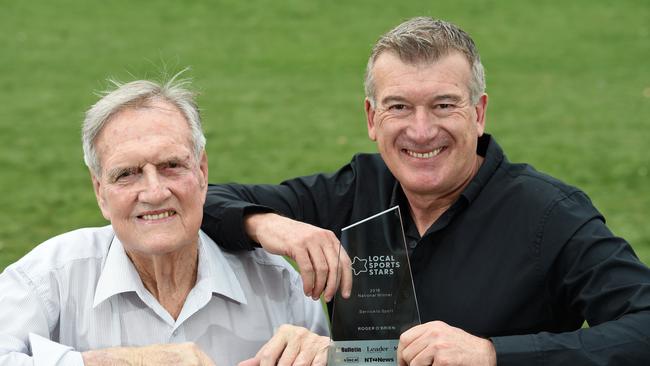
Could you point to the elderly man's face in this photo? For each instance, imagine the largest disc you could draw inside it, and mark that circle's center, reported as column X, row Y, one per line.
column 151, row 188
column 424, row 124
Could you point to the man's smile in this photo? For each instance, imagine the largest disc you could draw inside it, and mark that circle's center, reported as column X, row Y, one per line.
column 426, row 154
column 157, row 215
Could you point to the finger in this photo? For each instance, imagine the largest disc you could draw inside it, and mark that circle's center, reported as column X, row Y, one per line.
column 306, row 271
column 272, row 350
column 320, row 359
column 250, row 362
column 313, row 346
column 290, row 353
column 345, row 270
column 415, row 352
column 321, row 269
column 401, row 361
column 334, row 268
column 414, row 333
column 321, row 355
column 404, row 353
column 428, row 356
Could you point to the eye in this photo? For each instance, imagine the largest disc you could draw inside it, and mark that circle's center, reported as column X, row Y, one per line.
column 171, row 167
column 445, row 106
column 397, row 107
column 124, row 174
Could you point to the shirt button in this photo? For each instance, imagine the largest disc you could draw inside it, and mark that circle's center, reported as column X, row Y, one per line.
column 175, row 333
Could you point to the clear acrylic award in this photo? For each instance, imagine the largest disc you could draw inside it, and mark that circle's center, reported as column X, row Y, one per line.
column 367, row 326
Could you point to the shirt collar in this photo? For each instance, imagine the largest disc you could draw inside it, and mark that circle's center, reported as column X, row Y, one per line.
column 493, row 156
column 486, row 147
column 118, row 274
column 214, row 273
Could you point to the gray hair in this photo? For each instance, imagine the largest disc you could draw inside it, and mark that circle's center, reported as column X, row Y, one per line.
column 424, row 39
column 135, row 94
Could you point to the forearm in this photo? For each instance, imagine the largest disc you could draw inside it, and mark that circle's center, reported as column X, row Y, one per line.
column 110, row 357
column 227, row 206
column 322, row 200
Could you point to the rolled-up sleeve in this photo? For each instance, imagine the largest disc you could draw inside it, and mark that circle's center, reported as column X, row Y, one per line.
column 26, row 319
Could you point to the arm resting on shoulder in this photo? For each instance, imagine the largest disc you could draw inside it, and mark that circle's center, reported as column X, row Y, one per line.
column 298, row 219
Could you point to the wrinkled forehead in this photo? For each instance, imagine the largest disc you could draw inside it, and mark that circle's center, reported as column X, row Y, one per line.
column 149, row 103
column 448, row 75
column 422, row 57
column 142, row 122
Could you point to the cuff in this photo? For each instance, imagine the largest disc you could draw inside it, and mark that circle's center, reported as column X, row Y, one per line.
column 517, row 350
column 49, row 353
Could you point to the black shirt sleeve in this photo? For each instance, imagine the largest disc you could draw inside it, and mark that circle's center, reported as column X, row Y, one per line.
column 595, row 276
column 323, row 200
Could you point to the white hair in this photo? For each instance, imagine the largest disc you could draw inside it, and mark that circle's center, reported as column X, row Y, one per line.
column 136, row 94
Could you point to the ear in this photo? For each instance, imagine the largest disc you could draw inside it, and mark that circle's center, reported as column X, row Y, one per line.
column 203, row 167
column 370, row 119
column 101, row 202
column 481, row 108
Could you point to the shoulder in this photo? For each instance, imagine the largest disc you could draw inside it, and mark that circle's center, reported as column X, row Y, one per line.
column 523, row 181
column 259, row 262
column 370, row 170
column 548, row 207
column 69, row 249
column 367, row 161
column 260, row 272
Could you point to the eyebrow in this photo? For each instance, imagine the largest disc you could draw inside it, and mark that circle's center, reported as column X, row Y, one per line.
column 451, row 97
column 116, row 172
column 443, row 97
column 392, row 98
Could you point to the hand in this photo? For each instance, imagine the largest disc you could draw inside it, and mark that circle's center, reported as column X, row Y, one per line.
column 178, row 354
column 436, row 343
column 291, row 345
column 315, row 251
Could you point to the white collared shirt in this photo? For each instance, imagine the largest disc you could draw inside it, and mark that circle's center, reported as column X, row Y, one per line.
column 79, row 291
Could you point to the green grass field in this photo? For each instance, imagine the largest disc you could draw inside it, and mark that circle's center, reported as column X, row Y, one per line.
column 281, row 92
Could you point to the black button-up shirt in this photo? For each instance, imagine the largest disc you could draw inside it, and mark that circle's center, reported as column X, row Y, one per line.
column 520, row 257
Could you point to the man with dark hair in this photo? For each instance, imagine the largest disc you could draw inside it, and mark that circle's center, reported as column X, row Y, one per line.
column 508, row 263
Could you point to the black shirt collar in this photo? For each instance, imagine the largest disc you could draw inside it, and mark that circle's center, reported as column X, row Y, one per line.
column 488, row 148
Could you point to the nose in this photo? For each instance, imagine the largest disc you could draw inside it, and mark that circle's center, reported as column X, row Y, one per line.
column 423, row 126
column 154, row 191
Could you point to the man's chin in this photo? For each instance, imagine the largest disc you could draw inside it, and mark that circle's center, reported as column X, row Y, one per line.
column 158, row 245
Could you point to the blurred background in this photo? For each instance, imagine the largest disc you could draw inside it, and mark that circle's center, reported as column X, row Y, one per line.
column 282, row 96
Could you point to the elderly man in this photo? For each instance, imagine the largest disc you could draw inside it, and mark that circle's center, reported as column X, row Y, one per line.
column 507, row 262
column 150, row 288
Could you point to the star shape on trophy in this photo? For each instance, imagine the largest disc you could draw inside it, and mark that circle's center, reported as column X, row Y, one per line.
column 359, row 266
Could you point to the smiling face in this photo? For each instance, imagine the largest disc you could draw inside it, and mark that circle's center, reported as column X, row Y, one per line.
column 151, row 187
column 424, row 123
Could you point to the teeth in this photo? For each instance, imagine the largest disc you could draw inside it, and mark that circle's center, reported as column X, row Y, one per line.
column 158, row 216
column 426, row 155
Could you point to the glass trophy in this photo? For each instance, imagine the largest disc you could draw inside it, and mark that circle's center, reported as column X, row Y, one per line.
column 367, row 326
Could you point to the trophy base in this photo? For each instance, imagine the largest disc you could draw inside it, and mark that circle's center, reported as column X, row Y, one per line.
column 366, row 352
